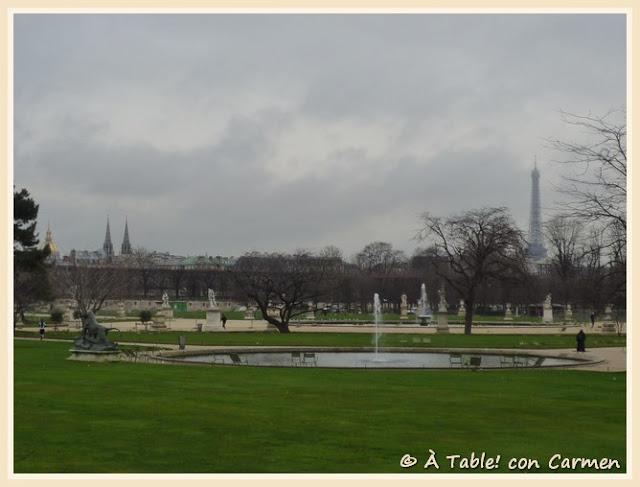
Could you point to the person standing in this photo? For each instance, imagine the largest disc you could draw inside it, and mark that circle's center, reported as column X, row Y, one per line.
column 593, row 318
column 581, row 338
column 224, row 321
column 43, row 325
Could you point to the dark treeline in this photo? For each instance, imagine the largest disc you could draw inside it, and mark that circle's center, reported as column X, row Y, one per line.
column 590, row 282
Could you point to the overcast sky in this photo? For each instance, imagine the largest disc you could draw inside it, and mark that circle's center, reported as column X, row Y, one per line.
column 221, row 134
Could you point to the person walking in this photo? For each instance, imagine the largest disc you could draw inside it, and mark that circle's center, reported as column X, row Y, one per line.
column 43, row 325
column 224, row 321
column 593, row 319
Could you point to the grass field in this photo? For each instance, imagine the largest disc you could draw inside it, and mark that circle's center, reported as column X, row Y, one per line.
column 107, row 317
column 351, row 339
column 124, row 417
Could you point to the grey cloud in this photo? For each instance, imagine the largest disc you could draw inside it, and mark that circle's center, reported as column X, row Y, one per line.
column 458, row 105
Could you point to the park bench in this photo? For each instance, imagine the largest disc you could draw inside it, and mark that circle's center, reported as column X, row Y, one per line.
column 475, row 361
column 296, row 359
column 237, row 360
column 309, row 359
column 218, row 359
column 519, row 361
column 506, row 360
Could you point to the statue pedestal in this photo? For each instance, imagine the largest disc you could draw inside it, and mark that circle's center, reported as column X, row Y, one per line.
column 403, row 313
column 547, row 315
column 94, row 355
column 166, row 312
column 443, row 324
column 608, row 327
column 568, row 314
column 214, row 323
column 68, row 316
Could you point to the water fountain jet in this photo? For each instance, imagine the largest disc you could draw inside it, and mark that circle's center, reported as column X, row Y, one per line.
column 377, row 317
column 424, row 311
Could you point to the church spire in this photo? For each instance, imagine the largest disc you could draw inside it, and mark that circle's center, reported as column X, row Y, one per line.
column 125, row 249
column 107, row 246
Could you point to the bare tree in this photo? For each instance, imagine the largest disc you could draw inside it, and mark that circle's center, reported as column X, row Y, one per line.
column 597, row 194
column 282, row 285
column 331, row 252
column 30, row 286
column 142, row 261
column 594, row 272
column 423, row 262
column 597, row 186
column 380, row 258
column 178, row 278
column 90, row 286
column 476, row 246
column 565, row 253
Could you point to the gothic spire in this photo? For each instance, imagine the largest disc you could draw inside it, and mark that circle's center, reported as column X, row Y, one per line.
column 125, row 249
column 107, row 246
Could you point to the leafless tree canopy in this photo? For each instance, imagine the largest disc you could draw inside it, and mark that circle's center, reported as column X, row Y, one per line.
column 475, row 246
column 331, row 252
column 142, row 261
column 597, row 191
column 284, row 283
column 380, row 258
column 564, row 236
column 597, row 188
column 89, row 286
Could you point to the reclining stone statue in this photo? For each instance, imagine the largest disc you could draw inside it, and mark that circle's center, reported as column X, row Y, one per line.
column 94, row 336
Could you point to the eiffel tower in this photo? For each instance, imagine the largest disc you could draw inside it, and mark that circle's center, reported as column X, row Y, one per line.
column 537, row 251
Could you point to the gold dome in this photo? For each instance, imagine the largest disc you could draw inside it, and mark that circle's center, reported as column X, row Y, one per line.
column 49, row 241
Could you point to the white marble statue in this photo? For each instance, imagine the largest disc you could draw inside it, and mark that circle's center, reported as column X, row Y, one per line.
column 508, row 314
column 212, row 299
column 568, row 312
column 442, row 303
column 165, row 300
column 547, row 311
column 461, row 308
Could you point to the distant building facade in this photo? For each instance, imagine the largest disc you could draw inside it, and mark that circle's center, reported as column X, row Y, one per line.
column 106, row 255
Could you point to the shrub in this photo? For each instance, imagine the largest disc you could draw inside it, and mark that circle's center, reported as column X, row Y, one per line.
column 57, row 316
column 145, row 315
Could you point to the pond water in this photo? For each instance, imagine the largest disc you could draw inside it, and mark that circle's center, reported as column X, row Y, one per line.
column 382, row 360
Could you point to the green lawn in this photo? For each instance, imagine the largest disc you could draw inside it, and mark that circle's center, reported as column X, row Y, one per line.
column 395, row 318
column 123, row 417
column 328, row 317
column 352, row 339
